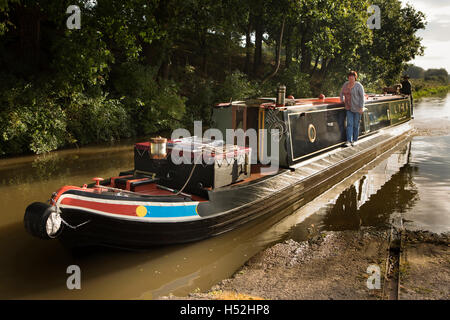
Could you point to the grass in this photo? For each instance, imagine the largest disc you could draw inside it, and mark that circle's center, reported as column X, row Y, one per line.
column 428, row 92
column 422, row 88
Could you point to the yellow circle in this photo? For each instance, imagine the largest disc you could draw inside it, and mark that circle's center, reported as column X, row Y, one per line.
column 141, row 211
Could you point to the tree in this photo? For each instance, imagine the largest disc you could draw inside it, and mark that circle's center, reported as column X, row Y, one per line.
column 395, row 43
column 415, row 72
column 149, row 60
column 440, row 75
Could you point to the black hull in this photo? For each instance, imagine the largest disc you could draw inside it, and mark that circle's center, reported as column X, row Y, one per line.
column 300, row 187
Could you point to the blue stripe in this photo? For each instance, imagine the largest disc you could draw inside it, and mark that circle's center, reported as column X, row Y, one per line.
column 171, row 211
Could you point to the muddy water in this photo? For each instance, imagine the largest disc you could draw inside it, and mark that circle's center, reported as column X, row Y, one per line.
column 413, row 181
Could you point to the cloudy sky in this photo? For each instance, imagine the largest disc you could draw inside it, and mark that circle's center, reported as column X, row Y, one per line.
column 436, row 36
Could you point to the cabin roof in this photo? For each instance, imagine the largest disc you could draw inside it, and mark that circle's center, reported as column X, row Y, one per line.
column 270, row 103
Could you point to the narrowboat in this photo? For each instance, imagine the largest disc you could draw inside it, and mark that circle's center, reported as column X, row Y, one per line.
column 191, row 188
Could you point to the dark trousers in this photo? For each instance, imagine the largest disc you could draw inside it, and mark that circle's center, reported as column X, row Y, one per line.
column 353, row 119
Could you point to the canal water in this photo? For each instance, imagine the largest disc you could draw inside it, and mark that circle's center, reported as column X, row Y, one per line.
column 412, row 182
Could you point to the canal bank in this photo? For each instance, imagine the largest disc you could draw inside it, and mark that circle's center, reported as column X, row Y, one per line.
column 328, row 257
column 333, row 266
column 33, row 269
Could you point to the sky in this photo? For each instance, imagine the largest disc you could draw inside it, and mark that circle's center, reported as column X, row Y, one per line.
column 436, row 36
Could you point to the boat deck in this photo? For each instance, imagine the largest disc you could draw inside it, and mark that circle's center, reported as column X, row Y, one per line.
column 303, row 182
column 338, row 155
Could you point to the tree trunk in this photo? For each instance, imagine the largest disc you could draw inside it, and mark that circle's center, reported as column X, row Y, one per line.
column 203, row 51
column 230, row 51
column 248, row 45
column 288, row 49
column 278, row 54
column 30, row 34
column 164, row 71
column 258, row 46
column 315, row 65
column 288, row 46
column 305, row 64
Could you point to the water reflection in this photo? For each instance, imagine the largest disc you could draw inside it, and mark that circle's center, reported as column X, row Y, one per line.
column 371, row 200
column 355, row 207
column 33, row 178
column 58, row 165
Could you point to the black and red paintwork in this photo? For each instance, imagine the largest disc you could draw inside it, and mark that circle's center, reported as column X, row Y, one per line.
column 136, row 211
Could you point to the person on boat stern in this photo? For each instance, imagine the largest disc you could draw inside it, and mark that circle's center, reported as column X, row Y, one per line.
column 352, row 95
column 407, row 89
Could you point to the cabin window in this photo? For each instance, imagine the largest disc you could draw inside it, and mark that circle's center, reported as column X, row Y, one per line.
column 245, row 118
column 239, row 117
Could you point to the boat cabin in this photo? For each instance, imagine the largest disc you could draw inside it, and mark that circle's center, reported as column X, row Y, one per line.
column 286, row 129
column 306, row 126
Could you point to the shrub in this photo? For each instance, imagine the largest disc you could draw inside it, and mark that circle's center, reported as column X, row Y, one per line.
column 201, row 93
column 235, row 87
column 97, row 119
column 296, row 82
column 30, row 120
column 201, row 98
column 152, row 105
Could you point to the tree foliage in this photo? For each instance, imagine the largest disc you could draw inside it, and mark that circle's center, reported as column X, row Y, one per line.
column 415, row 72
column 440, row 75
column 137, row 67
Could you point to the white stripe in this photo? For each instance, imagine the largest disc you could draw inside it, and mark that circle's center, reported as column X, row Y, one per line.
column 126, row 217
column 133, row 218
column 131, row 203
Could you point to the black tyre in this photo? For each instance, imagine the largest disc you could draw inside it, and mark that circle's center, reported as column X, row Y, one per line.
column 35, row 220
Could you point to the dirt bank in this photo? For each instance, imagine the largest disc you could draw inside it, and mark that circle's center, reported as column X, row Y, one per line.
column 425, row 267
column 333, row 265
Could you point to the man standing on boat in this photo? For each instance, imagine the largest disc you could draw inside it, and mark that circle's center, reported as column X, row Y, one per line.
column 352, row 95
column 407, row 89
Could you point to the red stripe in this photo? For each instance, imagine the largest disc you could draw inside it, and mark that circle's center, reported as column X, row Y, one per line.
column 123, row 209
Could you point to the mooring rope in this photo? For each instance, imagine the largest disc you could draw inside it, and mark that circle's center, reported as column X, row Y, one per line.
column 73, row 227
column 189, row 178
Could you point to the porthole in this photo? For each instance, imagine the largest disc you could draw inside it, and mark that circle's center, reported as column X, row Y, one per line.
column 312, row 133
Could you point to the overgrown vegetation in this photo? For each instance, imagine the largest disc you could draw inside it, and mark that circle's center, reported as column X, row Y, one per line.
column 429, row 82
column 138, row 67
column 429, row 89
